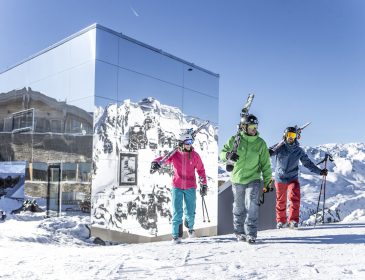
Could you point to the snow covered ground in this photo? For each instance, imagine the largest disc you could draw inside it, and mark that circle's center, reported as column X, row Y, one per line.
column 32, row 247
column 59, row 248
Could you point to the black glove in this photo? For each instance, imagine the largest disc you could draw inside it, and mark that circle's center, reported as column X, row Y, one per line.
column 155, row 165
column 271, row 152
column 324, row 172
column 203, row 190
column 269, row 187
column 232, row 156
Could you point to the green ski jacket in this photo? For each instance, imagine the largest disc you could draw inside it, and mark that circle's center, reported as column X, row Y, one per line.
column 254, row 159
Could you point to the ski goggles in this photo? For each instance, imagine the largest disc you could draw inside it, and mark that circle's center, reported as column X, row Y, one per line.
column 292, row 135
column 252, row 126
column 188, row 142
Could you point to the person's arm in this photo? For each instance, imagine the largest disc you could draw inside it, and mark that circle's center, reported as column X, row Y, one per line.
column 226, row 148
column 168, row 161
column 309, row 164
column 200, row 170
column 273, row 152
column 265, row 164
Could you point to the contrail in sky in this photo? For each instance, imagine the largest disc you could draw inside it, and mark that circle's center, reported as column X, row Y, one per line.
column 134, row 11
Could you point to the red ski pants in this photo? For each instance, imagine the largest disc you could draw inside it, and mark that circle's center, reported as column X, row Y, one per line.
column 293, row 190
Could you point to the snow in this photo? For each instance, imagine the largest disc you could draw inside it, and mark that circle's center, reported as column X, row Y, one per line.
column 33, row 247
column 59, row 248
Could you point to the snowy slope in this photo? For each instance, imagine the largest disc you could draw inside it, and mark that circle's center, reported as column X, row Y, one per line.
column 33, row 248
column 60, row 248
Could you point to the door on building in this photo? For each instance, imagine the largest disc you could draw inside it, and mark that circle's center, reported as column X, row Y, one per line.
column 54, row 195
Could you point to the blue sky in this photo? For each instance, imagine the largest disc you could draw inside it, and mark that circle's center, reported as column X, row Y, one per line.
column 304, row 60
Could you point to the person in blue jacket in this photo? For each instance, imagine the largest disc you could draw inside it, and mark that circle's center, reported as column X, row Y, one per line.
column 286, row 177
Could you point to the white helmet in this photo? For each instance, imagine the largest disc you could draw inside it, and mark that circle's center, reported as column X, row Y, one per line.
column 185, row 135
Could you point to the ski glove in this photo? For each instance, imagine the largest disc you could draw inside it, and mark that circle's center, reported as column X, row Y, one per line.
column 271, row 152
column 269, row 187
column 155, row 165
column 324, row 172
column 232, row 156
column 203, row 190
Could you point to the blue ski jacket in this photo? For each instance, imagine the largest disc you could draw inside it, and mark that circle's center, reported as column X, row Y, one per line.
column 287, row 162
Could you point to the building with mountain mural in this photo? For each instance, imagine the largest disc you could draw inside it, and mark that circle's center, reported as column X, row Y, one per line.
column 127, row 138
column 88, row 114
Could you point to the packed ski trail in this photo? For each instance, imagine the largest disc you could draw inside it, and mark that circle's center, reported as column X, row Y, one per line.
column 330, row 251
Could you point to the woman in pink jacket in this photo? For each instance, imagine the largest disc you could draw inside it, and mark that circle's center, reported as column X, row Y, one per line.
column 185, row 161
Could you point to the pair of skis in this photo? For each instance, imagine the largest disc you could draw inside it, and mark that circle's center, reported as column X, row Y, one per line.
column 237, row 139
column 173, row 151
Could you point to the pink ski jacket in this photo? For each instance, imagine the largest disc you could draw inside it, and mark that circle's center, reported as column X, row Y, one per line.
column 184, row 164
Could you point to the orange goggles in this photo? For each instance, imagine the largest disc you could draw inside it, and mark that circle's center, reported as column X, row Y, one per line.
column 292, row 135
column 252, row 126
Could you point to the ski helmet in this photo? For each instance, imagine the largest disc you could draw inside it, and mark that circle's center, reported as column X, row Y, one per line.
column 250, row 119
column 290, row 129
column 185, row 135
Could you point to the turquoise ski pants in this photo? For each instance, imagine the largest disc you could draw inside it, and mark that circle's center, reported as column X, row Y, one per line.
column 189, row 197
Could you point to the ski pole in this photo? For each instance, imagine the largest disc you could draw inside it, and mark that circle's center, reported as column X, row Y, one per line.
column 206, row 210
column 319, row 198
column 323, row 187
column 203, row 209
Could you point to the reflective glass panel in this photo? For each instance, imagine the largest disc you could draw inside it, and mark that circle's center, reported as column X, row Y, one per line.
column 151, row 63
column 201, row 106
column 106, row 81
column 136, row 87
column 201, row 81
column 107, row 47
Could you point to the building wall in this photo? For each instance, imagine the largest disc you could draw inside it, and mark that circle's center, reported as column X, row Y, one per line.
column 143, row 99
column 56, row 89
column 96, row 109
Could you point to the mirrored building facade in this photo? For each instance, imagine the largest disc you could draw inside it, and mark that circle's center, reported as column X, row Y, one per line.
column 89, row 114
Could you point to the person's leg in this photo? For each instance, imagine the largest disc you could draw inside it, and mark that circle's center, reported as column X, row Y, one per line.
column 281, row 197
column 252, row 208
column 294, row 198
column 177, row 210
column 239, row 212
column 190, row 206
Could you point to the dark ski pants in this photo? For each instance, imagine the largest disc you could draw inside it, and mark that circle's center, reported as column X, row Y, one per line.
column 283, row 190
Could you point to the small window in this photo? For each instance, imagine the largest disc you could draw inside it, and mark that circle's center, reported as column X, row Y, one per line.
column 23, row 121
column 75, row 126
column 56, row 126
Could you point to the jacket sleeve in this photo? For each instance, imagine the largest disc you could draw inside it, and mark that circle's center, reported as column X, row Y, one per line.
column 278, row 146
column 309, row 164
column 226, row 148
column 200, row 169
column 168, row 161
column 265, row 164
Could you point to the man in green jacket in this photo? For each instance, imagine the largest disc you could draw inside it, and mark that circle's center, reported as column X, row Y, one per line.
column 252, row 163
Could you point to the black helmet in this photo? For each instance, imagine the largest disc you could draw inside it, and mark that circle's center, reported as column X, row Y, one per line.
column 250, row 119
column 291, row 129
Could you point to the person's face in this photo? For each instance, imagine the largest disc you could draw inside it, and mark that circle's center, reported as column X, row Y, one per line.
column 187, row 144
column 290, row 137
column 252, row 129
column 187, row 147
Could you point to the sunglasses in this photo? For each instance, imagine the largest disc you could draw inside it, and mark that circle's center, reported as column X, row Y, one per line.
column 189, row 142
column 252, row 126
column 292, row 135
